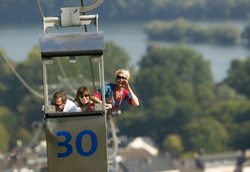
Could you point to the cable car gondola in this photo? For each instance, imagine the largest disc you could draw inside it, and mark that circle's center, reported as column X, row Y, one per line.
column 76, row 141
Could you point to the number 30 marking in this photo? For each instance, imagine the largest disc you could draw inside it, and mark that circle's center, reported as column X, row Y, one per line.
column 78, row 143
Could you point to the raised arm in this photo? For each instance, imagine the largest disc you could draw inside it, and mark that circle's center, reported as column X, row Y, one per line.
column 135, row 100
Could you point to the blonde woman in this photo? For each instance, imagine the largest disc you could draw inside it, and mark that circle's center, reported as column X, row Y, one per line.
column 119, row 92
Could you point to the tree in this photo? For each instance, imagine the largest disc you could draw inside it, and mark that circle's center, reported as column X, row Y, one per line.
column 230, row 114
column 178, row 73
column 246, row 34
column 30, row 110
column 241, row 136
column 4, row 143
column 115, row 58
column 8, row 118
column 238, row 76
column 228, row 111
column 205, row 133
column 224, row 92
column 173, row 144
column 171, row 83
column 8, row 127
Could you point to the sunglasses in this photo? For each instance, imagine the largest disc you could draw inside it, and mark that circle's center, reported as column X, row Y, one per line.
column 85, row 95
column 121, row 77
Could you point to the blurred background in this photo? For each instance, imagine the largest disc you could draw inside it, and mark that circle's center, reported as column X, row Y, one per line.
column 190, row 65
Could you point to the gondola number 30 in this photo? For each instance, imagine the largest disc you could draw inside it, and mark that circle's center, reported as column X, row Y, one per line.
column 78, row 143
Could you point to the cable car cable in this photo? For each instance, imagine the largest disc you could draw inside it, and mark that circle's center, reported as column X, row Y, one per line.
column 85, row 26
column 25, row 84
column 40, row 9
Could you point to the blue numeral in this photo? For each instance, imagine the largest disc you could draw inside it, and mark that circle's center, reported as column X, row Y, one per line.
column 79, row 143
column 65, row 144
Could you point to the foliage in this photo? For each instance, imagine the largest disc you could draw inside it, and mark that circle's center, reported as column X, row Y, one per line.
column 205, row 133
column 132, row 122
column 182, row 30
column 246, row 34
column 179, row 74
column 8, row 118
column 240, row 135
column 32, row 63
column 227, row 112
column 227, row 35
column 238, row 76
column 173, row 144
column 180, row 84
column 115, row 58
column 233, row 114
column 170, row 9
column 6, row 78
column 4, row 143
column 9, row 122
column 224, row 92
column 177, row 95
column 132, row 9
column 30, row 110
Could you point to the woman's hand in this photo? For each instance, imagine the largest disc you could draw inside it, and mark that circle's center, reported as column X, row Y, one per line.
column 108, row 106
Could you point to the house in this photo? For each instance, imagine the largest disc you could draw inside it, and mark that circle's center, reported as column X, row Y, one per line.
column 220, row 162
column 246, row 166
column 140, row 155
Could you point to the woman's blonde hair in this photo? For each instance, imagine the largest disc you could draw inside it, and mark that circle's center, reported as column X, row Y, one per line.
column 123, row 71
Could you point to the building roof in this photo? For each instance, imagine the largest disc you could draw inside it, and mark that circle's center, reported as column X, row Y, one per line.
column 143, row 143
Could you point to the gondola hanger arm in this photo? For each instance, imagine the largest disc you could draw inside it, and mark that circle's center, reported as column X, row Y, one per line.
column 94, row 5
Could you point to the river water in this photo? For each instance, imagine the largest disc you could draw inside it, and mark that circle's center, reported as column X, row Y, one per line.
column 17, row 41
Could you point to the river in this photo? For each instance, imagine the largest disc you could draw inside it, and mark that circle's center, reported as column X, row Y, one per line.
column 17, row 41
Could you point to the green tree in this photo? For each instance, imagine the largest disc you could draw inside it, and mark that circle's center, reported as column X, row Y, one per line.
column 125, row 9
column 246, row 34
column 241, row 136
column 224, row 92
column 225, row 34
column 184, row 30
column 228, row 111
column 8, row 118
column 238, row 76
column 30, row 110
column 4, row 142
column 232, row 111
column 179, row 73
column 205, row 133
column 115, row 57
column 9, row 122
column 173, row 144
column 173, row 84
column 31, row 68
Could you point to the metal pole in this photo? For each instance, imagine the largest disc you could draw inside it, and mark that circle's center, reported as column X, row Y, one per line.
column 102, row 82
column 45, row 85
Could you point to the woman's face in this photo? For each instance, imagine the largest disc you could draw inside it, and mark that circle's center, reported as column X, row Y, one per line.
column 84, row 98
column 121, row 79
